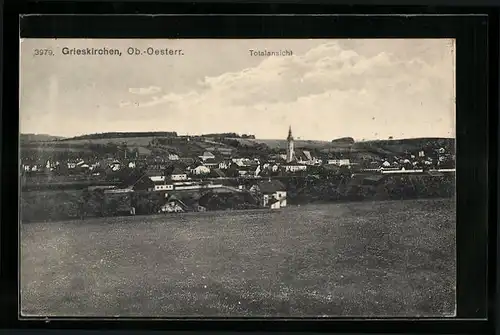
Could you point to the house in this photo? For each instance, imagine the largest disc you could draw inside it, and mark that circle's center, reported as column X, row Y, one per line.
column 308, row 155
column 211, row 163
column 272, row 193
column 155, row 175
column 173, row 157
column 161, row 186
column 303, row 156
column 217, row 173
column 246, row 170
column 224, row 165
column 225, row 151
column 241, row 161
column 174, row 205
column 144, row 183
column 178, row 174
column 200, row 170
column 171, row 207
column 339, row 162
column 294, row 167
column 115, row 165
column 131, row 165
column 207, row 155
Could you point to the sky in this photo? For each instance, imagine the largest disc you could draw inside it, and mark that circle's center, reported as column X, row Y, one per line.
column 361, row 88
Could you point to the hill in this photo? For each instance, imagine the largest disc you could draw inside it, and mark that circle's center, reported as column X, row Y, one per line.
column 170, row 142
column 39, row 138
column 115, row 135
column 399, row 147
column 282, row 144
column 344, row 140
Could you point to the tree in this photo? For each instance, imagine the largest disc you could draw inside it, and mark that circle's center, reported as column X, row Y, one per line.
column 233, row 171
column 168, row 171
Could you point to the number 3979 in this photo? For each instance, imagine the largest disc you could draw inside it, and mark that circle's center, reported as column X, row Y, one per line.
column 43, row 52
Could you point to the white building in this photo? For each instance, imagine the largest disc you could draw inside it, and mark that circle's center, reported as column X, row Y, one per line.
column 177, row 175
column 224, row 165
column 207, row 155
column 272, row 193
column 295, row 167
column 173, row 157
column 163, row 187
column 171, row 207
column 339, row 162
column 201, row 170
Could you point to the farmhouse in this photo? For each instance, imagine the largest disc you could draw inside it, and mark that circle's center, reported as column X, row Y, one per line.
column 173, row 205
column 211, row 163
column 207, row 155
column 224, row 165
column 339, row 162
column 173, row 157
column 178, row 174
column 201, row 170
column 294, row 167
column 155, row 175
column 144, row 183
column 161, row 186
column 271, row 193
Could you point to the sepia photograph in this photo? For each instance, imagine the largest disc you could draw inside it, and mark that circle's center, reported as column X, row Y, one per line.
column 237, row 178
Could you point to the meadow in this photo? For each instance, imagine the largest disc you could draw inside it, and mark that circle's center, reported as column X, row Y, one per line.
column 386, row 258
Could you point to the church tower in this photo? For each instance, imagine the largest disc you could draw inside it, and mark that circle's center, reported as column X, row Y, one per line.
column 290, row 153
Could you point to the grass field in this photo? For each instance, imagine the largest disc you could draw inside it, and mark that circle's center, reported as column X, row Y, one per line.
column 358, row 259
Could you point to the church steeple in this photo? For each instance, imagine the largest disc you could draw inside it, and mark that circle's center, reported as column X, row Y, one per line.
column 290, row 137
column 290, row 152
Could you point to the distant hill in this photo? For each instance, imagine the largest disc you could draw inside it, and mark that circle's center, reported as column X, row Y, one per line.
column 344, row 140
column 170, row 142
column 114, row 135
column 39, row 138
column 282, row 144
column 397, row 147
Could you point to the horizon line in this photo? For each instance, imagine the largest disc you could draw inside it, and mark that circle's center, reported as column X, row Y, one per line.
column 296, row 138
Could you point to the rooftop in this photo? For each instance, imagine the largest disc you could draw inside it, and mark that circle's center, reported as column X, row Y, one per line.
column 271, row 186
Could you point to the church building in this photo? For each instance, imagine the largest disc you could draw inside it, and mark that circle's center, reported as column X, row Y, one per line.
column 290, row 151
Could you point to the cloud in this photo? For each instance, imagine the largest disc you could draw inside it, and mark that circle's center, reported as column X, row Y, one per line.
column 334, row 90
column 145, row 90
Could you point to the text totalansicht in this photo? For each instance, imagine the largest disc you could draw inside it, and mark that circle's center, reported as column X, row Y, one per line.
column 269, row 53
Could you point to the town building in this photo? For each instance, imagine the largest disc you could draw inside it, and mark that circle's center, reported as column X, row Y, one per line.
column 211, row 163
column 272, row 193
column 199, row 170
column 173, row 157
column 207, row 155
column 339, row 162
column 161, row 186
column 173, row 205
column 294, row 167
column 178, row 174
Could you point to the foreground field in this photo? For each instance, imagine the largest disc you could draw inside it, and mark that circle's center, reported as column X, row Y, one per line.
column 358, row 259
